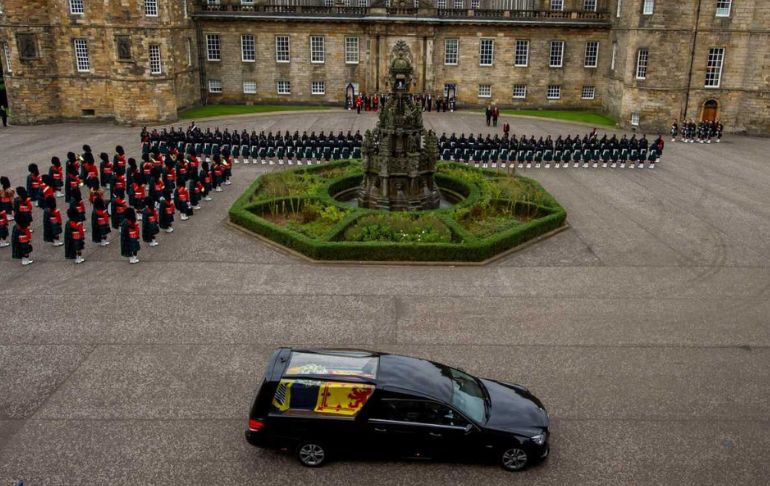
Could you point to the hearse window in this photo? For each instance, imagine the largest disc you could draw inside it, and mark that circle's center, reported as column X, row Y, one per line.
column 317, row 398
column 417, row 411
column 330, row 365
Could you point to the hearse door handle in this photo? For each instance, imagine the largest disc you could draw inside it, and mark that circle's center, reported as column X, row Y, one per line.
column 435, row 434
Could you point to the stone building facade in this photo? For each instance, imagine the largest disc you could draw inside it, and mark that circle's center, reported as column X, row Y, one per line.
column 645, row 62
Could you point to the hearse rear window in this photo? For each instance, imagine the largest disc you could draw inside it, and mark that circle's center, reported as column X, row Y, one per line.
column 337, row 365
column 320, row 398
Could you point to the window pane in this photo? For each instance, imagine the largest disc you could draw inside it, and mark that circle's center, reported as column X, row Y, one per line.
column 451, row 51
column 592, row 54
column 557, row 53
column 351, row 50
column 589, row 92
column 213, row 49
column 554, row 92
column 485, row 91
column 250, row 87
column 318, row 88
column 248, row 48
column 714, row 64
column 282, row 48
column 76, row 7
column 522, row 53
column 81, row 55
column 151, row 8
column 215, row 86
column 317, row 54
column 723, row 8
column 486, row 52
column 649, row 7
column 641, row 64
column 155, row 64
column 519, row 91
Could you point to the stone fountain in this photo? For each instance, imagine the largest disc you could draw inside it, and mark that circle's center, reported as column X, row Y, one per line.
column 399, row 155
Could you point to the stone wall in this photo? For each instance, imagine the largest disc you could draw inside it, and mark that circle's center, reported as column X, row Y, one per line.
column 49, row 86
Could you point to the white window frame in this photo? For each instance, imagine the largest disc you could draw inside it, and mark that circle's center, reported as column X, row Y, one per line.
column 283, row 87
column 189, row 52
column 249, row 87
column 215, row 86
column 82, row 58
column 592, row 54
column 458, row 4
column 521, row 89
column 317, row 49
column 440, row 3
column 648, row 7
column 620, row 8
column 352, row 50
column 248, row 52
column 590, row 5
column 314, row 87
column 588, row 93
column 150, row 8
column 475, row 4
column 614, row 55
column 247, row 2
column 156, row 63
column 521, row 48
column 213, row 46
column 491, row 44
column 185, row 12
column 551, row 55
column 77, row 7
column 715, row 63
column 555, row 89
column 557, row 5
column 279, row 51
column 7, row 52
column 724, row 8
column 635, row 118
column 451, row 55
column 485, row 91
column 642, row 60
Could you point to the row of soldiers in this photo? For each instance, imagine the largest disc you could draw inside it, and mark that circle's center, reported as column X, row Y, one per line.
column 691, row 132
column 590, row 148
column 180, row 138
column 122, row 192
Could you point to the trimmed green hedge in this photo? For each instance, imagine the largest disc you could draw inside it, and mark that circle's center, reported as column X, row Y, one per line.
column 468, row 247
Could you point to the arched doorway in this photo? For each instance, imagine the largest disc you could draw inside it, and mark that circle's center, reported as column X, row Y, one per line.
column 710, row 110
column 350, row 95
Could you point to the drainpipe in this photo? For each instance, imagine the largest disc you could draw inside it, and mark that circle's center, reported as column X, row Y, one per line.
column 692, row 60
column 201, row 49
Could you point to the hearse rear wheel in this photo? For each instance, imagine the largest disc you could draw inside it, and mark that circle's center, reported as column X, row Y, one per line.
column 311, row 454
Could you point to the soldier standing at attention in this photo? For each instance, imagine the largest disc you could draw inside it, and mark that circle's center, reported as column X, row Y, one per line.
column 74, row 237
column 129, row 236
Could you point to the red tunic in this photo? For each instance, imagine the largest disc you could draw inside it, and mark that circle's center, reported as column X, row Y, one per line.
column 133, row 230
column 57, row 173
column 55, row 217
column 78, row 233
column 139, row 192
column 183, row 193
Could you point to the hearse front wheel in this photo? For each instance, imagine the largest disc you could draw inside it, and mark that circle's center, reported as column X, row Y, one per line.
column 311, row 454
column 514, row 459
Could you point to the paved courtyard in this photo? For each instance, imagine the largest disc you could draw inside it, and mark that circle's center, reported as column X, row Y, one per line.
column 644, row 327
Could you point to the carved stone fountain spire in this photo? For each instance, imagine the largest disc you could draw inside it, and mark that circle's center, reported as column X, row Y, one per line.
column 399, row 156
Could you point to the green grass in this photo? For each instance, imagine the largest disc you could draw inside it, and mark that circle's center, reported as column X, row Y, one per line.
column 578, row 116
column 225, row 110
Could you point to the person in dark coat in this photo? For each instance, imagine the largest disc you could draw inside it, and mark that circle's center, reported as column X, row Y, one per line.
column 100, row 223
column 74, row 237
column 150, row 226
column 21, row 243
column 129, row 236
column 118, row 209
column 167, row 209
column 22, row 207
column 56, row 174
column 52, row 223
column 4, row 228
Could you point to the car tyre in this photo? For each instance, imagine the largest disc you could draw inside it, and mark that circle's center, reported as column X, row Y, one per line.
column 312, row 454
column 514, row 458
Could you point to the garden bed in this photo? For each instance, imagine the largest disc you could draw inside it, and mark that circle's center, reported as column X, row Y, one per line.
column 493, row 212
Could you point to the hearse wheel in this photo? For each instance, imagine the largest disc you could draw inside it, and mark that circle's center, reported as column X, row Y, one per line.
column 311, row 454
column 514, row 458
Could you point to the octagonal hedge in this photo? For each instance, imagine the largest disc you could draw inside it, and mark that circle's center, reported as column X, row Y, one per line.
column 495, row 212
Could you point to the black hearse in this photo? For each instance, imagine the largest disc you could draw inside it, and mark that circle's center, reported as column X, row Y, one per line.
column 329, row 403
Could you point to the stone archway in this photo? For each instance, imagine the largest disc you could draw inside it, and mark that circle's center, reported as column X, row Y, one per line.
column 710, row 110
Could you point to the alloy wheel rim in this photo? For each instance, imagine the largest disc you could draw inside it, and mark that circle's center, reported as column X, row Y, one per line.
column 514, row 458
column 311, row 454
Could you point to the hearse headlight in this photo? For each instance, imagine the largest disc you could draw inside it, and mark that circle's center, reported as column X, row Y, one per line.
column 539, row 439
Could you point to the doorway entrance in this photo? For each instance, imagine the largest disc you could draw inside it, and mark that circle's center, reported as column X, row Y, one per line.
column 710, row 109
column 350, row 95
